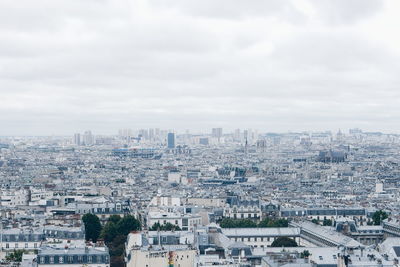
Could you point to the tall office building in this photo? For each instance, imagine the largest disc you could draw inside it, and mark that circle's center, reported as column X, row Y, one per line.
column 88, row 138
column 144, row 134
column 171, row 140
column 77, row 139
column 237, row 136
column 151, row 134
column 125, row 132
column 216, row 132
column 245, row 135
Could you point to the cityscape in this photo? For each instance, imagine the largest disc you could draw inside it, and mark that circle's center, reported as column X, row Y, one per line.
column 154, row 197
column 199, row 133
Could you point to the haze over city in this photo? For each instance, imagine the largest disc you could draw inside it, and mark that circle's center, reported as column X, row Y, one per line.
column 199, row 133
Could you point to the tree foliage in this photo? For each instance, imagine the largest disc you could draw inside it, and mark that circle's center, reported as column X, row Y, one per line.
column 379, row 216
column 115, row 233
column 284, row 242
column 327, row 222
column 109, row 232
column 305, row 254
column 15, row 256
column 92, row 227
column 164, row 227
column 114, row 218
column 268, row 222
column 247, row 223
column 237, row 223
column 127, row 224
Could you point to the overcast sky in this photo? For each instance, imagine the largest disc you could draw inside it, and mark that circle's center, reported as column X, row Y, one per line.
column 273, row 65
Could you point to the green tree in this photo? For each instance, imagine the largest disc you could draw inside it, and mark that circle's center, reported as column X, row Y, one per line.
column 164, row 227
column 379, row 216
column 237, row 223
column 114, row 218
column 117, row 246
column 117, row 261
column 315, row 221
column 284, row 242
column 115, row 232
column 15, row 256
column 305, row 254
column 327, row 222
column 268, row 222
column 109, row 232
column 127, row 224
column 92, row 227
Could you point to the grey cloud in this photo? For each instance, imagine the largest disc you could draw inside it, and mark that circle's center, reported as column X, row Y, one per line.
column 228, row 9
column 105, row 65
column 346, row 11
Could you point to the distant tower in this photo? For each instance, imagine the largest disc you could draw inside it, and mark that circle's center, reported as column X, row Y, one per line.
column 237, row 136
column 88, row 138
column 77, row 139
column 261, row 145
column 217, row 133
column 245, row 135
column 339, row 135
column 171, row 141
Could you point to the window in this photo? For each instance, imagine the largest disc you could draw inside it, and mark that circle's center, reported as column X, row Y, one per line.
column 51, row 260
column 7, row 245
column 26, row 245
column 61, row 259
column 89, row 258
column 16, row 245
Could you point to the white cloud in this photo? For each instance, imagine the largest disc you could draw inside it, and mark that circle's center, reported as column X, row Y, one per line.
column 274, row 65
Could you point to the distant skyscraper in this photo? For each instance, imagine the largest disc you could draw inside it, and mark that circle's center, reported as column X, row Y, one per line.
column 125, row 132
column 144, row 133
column 237, row 135
column 171, row 140
column 216, row 132
column 245, row 134
column 77, row 139
column 151, row 134
column 88, row 138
